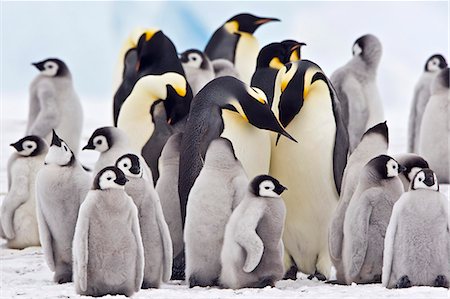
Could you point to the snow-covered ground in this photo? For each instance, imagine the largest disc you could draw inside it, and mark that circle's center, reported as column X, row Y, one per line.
column 24, row 273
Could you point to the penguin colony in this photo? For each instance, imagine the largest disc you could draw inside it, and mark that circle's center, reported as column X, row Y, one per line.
column 233, row 167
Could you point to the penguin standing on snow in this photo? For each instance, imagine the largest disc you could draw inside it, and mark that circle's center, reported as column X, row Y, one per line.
column 252, row 253
column 235, row 42
column 422, row 93
column 357, row 89
column 18, row 222
column 367, row 218
column 54, row 104
column 373, row 143
column 61, row 186
column 417, row 243
column 307, row 107
column 217, row 191
column 435, row 127
column 154, row 231
column 108, row 254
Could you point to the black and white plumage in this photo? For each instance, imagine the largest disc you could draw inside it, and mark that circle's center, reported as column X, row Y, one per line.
column 367, row 218
column 18, row 222
column 54, row 104
column 356, row 87
column 252, row 253
column 61, row 186
column 413, row 164
column 422, row 94
column 218, row 189
column 108, row 254
column 198, row 69
column 417, row 243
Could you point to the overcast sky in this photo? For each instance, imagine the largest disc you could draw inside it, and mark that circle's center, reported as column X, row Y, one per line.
column 88, row 35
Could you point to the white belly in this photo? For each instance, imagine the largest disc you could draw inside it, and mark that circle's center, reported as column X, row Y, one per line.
column 306, row 169
column 251, row 145
column 247, row 50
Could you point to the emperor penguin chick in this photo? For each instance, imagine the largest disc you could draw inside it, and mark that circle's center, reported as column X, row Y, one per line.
column 252, row 253
column 435, row 127
column 413, row 164
column 417, row 244
column 54, row 104
column 61, row 186
column 367, row 218
column 154, row 231
column 357, row 89
column 18, row 212
column 216, row 192
column 107, row 247
column 198, row 69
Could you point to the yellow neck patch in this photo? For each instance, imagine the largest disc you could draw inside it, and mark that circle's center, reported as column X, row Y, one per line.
column 294, row 56
column 275, row 63
column 232, row 26
column 239, row 108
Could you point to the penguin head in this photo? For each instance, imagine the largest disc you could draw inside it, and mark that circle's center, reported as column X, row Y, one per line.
column 368, row 48
column 293, row 49
column 52, row 67
column 247, row 23
column 425, row 179
column 413, row 164
column 59, row 152
column 266, row 186
column 101, row 140
column 130, row 165
column 150, row 48
column 30, row 146
column 272, row 55
column 435, row 63
column 195, row 59
column 384, row 167
column 110, row 177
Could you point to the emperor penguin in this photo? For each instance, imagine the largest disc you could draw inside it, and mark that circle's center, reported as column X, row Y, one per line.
column 435, row 128
column 154, row 230
column 417, row 243
column 54, row 104
column 156, row 55
column 218, row 189
column 235, row 42
column 374, row 142
column 367, row 218
column 167, row 189
column 61, row 186
column 422, row 93
column 413, row 163
column 198, row 69
column 308, row 108
column 356, row 87
column 18, row 222
column 252, row 253
column 271, row 59
column 108, row 253
column 229, row 108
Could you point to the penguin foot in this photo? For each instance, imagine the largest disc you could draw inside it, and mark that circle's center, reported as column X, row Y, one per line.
column 264, row 282
column 196, row 282
column 317, row 275
column 178, row 267
column 403, row 282
column 441, row 281
column 377, row 278
column 63, row 277
column 150, row 285
column 291, row 273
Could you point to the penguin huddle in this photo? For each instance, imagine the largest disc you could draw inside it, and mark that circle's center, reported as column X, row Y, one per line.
column 233, row 167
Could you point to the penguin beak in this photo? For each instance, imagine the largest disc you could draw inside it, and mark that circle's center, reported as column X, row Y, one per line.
column 280, row 189
column 88, row 147
column 401, row 168
column 134, row 170
column 55, row 139
column 265, row 20
column 429, row 180
column 17, row 146
column 121, row 181
column 38, row 65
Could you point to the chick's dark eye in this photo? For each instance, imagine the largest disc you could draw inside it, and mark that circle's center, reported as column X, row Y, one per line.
column 125, row 165
column 29, row 146
column 109, row 178
column 99, row 142
column 194, row 58
column 420, row 180
column 50, row 66
column 267, row 188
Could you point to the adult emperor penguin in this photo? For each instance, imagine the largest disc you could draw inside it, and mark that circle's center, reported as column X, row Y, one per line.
column 252, row 253
column 217, row 191
column 61, row 186
column 413, row 163
column 229, row 108
column 367, row 218
column 154, row 231
column 374, row 142
column 271, row 59
column 312, row 169
column 417, row 243
column 198, row 69
column 435, row 128
column 54, row 104
column 235, row 42
column 108, row 253
column 422, row 93
column 18, row 222
column 356, row 87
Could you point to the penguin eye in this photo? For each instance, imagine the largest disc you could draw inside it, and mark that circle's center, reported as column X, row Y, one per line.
column 99, row 142
column 109, row 178
column 29, row 146
column 420, row 179
column 125, row 165
column 395, row 166
column 267, row 187
column 50, row 66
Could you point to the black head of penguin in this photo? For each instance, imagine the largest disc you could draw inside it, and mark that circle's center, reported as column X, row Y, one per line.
column 425, row 179
column 293, row 50
column 248, row 23
column 384, row 167
column 34, row 145
column 266, row 186
column 93, row 142
column 368, row 48
column 56, row 141
column 435, row 62
column 195, row 57
column 271, row 55
column 52, row 67
column 109, row 177
column 130, row 162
